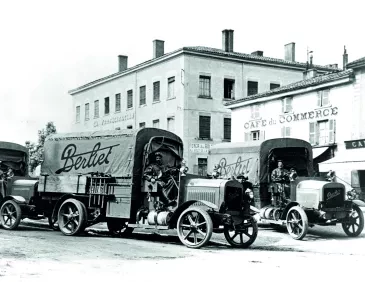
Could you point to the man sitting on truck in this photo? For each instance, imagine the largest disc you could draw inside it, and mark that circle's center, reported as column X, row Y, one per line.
column 160, row 173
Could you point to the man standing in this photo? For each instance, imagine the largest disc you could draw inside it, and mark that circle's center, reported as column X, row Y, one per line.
column 158, row 172
column 281, row 176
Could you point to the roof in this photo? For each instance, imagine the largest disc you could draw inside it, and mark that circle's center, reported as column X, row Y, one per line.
column 13, row 146
column 302, row 84
column 207, row 51
column 357, row 63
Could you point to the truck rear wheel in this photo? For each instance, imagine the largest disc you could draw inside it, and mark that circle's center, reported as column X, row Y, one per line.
column 297, row 223
column 72, row 217
column 243, row 235
column 10, row 215
column 355, row 225
column 194, row 227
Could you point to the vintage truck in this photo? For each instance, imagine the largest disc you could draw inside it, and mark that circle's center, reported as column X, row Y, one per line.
column 93, row 177
column 312, row 200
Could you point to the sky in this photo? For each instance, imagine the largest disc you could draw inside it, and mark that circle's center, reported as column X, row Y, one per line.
column 50, row 47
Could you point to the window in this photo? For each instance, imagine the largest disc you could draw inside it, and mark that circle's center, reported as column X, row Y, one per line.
column 156, row 91
column 227, row 129
column 87, row 111
column 156, row 123
column 252, row 87
column 323, row 98
column 322, row 132
column 106, row 106
column 171, row 88
column 204, row 86
column 204, row 127
column 255, row 111
column 255, row 135
column 78, row 114
column 129, row 127
column 286, row 105
column 228, row 88
column 171, row 124
column 117, row 102
column 142, row 125
column 130, row 99
column 274, row 85
column 285, row 131
column 142, row 95
column 202, row 166
column 96, row 109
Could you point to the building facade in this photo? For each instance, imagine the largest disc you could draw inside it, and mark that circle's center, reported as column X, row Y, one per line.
column 326, row 110
column 184, row 92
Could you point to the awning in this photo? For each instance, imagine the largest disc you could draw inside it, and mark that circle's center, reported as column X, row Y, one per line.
column 319, row 151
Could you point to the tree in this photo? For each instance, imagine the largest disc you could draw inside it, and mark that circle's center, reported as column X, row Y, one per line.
column 36, row 151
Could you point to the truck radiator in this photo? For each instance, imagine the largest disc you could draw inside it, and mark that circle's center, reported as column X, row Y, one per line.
column 333, row 197
column 209, row 195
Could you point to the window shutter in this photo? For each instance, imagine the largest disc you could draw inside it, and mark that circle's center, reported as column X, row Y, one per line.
column 204, row 127
column 247, row 136
column 319, row 96
column 287, row 133
column 325, row 97
column 227, row 129
column 332, row 131
column 252, row 112
column 312, row 133
column 289, row 104
column 283, row 131
column 283, row 105
column 262, row 135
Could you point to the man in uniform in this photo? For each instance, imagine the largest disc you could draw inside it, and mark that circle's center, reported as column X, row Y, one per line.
column 281, row 177
column 158, row 172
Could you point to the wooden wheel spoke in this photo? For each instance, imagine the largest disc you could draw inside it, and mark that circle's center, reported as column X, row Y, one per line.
column 67, row 222
column 8, row 218
column 235, row 234
column 185, row 225
column 200, row 224
column 201, row 233
column 247, row 234
column 190, row 219
column 187, row 235
column 353, row 228
column 195, row 238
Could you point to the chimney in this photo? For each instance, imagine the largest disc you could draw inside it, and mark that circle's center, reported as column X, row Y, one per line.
column 290, row 52
column 310, row 73
column 227, row 40
column 158, row 48
column 333, row 66
column 123, row 62
column 258, row 53
column 345, row 58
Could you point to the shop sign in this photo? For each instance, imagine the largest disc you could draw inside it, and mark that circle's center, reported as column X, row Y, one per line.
column 355, row 144
column 200, row 147
column 288, row 118
column 114, row 119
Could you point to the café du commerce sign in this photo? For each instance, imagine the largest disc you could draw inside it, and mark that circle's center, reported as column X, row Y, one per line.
column 291, row 117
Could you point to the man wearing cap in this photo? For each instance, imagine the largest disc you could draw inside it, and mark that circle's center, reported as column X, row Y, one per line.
column 158, row 172
column 281, row 176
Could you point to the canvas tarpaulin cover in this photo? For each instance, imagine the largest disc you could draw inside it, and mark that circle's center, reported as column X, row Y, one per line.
column 109, row 152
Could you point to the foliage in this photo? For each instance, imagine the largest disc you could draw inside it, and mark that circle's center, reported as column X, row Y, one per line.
column 36, row 150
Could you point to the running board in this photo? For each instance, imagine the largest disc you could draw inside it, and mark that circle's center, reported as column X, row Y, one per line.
column 276, row 222
column 145, row 226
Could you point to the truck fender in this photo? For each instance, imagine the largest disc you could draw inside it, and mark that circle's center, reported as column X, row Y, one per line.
column 184, row 206
column 287, row 208
column 17, row 199
column 359, row 203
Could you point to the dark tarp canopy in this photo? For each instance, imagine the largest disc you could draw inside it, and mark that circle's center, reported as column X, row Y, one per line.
column 14, row 156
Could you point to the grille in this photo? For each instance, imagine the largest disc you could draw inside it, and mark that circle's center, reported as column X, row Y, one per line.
column 202, row 194
column 334, row 197
column 233, row 198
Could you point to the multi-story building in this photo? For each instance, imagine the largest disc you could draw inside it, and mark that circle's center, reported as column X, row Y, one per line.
column 326, row 110
column 183, row 91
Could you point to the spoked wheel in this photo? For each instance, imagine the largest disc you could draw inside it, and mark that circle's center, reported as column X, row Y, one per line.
column 242, row 235
column 297, row 223
column 355, row 224
column 119, row 227
column 72, row 217
column 10, row 215
column 194, row 227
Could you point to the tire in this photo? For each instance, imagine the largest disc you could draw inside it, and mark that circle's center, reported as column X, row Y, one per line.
column 72, row 218
column 10, row 215
column 297, row 223
column 356, row 224
column 194, row 221
column 231, row 234
column 119, row 227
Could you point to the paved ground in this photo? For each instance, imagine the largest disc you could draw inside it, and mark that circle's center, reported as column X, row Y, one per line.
column 35, row 253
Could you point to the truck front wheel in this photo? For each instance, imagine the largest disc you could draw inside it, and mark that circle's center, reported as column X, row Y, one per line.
column 355, row 224
column 72, row 217
column 10, row 215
